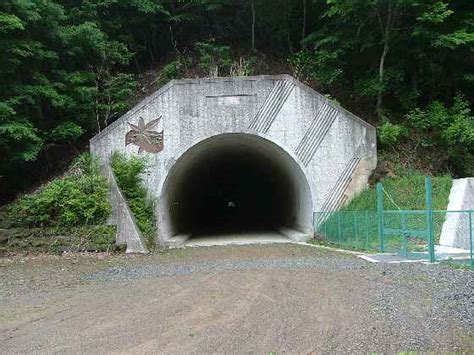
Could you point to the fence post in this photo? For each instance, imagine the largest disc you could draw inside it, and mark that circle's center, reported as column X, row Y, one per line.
column 380, row 215
column 354, row 227
column 366, row 229
column 405, row 234
column 339, row 226
column 471, row 237
column 429, row 217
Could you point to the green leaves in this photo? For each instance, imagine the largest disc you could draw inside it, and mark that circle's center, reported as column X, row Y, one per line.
column 76, row 199
column 455, row 39
column 19, row 141
column 87, row 44
column 390, row 134
column 10, row 23
column 147, row 6
column 319, row 66
column 446, row 128
column 60, row 75
column 6, row 111
column 66, row 132
column 66, row 66
column 214, row 58
column 436, row 13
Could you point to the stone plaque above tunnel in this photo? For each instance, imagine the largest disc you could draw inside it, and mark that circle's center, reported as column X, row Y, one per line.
column 245, row 154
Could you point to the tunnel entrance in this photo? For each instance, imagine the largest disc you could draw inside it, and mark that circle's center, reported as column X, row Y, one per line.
column 236, row 184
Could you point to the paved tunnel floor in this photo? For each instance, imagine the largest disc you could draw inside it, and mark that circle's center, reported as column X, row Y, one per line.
column 262, row 237
column 258, row 299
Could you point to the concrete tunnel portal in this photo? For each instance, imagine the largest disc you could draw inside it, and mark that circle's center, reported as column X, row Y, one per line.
column 236, row 160
column 236, row 184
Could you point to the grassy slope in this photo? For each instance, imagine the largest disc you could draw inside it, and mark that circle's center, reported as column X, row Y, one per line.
column 407, row 191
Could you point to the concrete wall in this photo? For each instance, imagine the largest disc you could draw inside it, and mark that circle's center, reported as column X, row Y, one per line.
column 456, row 228
column 334, row 149
column 127, row 230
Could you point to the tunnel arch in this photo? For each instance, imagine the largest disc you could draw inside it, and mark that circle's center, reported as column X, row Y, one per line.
column 234, row 183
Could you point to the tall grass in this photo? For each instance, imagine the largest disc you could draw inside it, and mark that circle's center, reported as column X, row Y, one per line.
column 406, row 192
column 356, row 225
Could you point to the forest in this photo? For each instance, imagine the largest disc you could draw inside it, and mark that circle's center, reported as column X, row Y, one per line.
column 68, row 68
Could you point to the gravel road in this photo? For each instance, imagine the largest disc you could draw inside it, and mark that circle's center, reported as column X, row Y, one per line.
column 242, row 299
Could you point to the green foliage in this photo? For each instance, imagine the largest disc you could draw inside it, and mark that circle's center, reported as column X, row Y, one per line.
column 79, row 198
column 243, row 66
column 68, row 68
column 390, row 134
column 19, row 141
column 174, row 69
column 128, row 172
column 447, row 128
column 10, row 23
column 407, row 190
column 67, row 131
column 114, row 96
column 88, row 44
column 320, row 66
column 61, row 77
column 454, row 124
column 214, row 59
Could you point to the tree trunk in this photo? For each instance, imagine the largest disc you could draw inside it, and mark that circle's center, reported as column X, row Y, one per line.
column 303, row 29
column 378, row 107
column 252, row 5
column 288, row 30
column 173, row 40
column 149, row 47
column 97, row 113
column 385, row 30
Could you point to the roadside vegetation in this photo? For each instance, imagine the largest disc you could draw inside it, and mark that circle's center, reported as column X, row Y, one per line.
column 404, row 190
column 68, row 213
column 77, row 198
column 355, row 226
column 128, row 172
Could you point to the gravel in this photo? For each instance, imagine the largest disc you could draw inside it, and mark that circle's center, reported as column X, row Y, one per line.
column 213, row 267
column 258, row 299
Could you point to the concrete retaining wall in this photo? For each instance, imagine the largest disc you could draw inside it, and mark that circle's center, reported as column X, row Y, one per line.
column 455, row 232
column 335, row 150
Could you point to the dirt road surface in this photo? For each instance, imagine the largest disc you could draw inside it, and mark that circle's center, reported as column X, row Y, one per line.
column 241, row 299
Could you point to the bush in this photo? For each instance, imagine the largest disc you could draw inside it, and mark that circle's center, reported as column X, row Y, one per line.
column 243, row 66
column 390, row 134
column 449, row 129
column 319, row 66
column 78, row 198
column 173, row 70
column 214, row 58
column 66, row 131
column 128, row 174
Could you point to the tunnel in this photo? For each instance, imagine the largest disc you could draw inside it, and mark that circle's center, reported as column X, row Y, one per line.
column 236, row 184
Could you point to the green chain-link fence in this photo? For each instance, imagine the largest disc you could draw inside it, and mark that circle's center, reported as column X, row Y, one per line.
column 412, row 233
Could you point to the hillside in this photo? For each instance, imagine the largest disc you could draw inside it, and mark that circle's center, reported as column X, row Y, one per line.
column 69, row 69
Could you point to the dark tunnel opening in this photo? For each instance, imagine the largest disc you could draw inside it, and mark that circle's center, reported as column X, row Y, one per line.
column 236, row 184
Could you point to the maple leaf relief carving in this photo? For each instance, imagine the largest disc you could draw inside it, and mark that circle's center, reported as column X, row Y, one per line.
column 144, row 137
